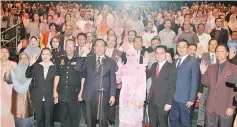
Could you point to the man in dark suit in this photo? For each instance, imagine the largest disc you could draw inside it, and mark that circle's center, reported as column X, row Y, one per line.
column 219, row 34
column 140, row 49
column 161, row 93
column 186, row 86
column 93, row 67
column 67, row 35
column 219, row 106
column 210, row 58
column 67, row 87
column 113, row 53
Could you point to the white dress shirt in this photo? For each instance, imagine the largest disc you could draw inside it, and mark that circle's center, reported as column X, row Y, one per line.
column 109, row 52
column 203, row 40
column 161, row 64
column 214, row 55
column 46, row 69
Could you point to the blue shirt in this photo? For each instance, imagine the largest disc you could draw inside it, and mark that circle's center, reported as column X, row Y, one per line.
column 232, row 45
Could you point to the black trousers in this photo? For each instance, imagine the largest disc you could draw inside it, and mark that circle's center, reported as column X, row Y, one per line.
column 69, row 113
column 83, row 110
column 112, row 109
column 215, row 120
column 91, row 112
column 157, row 116
column 44, row 113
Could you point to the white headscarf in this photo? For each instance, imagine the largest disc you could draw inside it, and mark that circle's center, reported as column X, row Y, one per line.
column 33, row 50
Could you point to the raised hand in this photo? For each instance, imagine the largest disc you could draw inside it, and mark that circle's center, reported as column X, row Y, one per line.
column 146, row 58
column 125, row 47
column 119, row 62
column 86, row 49
column 232, row 53
column 19, row 47
column 203, row 67
column 200, row 50
column 33, row 59
column 148, row 44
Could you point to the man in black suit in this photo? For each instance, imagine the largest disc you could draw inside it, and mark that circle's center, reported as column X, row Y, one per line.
column 140, row 49
column 67, row 35
column 113, row 53
column 161, row 93
column 97, row 68
column 67, row 87
column 219, row 34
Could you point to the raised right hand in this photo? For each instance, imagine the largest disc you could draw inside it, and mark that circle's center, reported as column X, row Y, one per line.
column 203, row 67
column 33, row 59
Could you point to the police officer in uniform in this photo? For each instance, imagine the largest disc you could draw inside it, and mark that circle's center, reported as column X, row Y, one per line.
column 67, row 87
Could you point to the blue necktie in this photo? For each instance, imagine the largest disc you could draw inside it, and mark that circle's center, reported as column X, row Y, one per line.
column 212, row 59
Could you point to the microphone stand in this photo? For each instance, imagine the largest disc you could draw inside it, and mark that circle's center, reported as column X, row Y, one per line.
column 100, row 101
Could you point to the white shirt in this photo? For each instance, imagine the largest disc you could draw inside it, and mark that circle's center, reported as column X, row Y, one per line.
column 109, row 52
column 146, row 37
column 137, row 25
column 161, row 64
column 203, row 41
column 138, row 56
column 46, row 69
column 182, row 60
column 101, row 57
column 212, row 54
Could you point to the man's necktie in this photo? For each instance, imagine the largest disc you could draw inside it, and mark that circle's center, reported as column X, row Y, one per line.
column 212, row 59
column 98, row 64
column 157, row 71
column 179, row 62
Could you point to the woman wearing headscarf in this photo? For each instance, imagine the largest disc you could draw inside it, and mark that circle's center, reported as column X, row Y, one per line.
column 232, row 23
column 33, row 48
column 42, row 90
column 22, row 108
column 133, row 92
column 7, row 119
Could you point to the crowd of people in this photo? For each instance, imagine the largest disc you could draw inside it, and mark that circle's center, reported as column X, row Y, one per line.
column 157, row 65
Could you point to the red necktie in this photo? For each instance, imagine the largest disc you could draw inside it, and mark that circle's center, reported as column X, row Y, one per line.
column 157, row 71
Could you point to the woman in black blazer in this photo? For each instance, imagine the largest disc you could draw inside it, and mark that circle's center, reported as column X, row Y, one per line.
column 43, row 74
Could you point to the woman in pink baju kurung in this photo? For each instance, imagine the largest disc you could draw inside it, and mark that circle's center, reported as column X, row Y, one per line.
column 133, row 91
column 7, row 119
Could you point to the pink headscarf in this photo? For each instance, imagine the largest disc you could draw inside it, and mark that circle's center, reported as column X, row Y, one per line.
column 131, row 55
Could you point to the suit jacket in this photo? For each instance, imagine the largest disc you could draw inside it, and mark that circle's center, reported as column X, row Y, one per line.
column 42, row 87
column 162, row 89
column 223, row 37
column 62, row 42
column 220, row 95
column 92, row 78
column 116, row 53
column 187, row 80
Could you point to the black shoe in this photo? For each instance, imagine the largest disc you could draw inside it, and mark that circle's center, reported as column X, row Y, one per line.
column 199, row 126
column 112, row 123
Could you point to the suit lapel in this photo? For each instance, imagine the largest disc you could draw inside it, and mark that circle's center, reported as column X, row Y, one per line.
column 208, row 58
column 93, row 63
column 162, row 70
column 185, row 61
column 49, row 72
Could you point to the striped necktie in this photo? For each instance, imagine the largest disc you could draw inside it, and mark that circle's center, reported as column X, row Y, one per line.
column 179, row 62
column 98, row 64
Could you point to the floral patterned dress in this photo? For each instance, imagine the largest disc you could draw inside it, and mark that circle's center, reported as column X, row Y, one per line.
column 133, row 93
